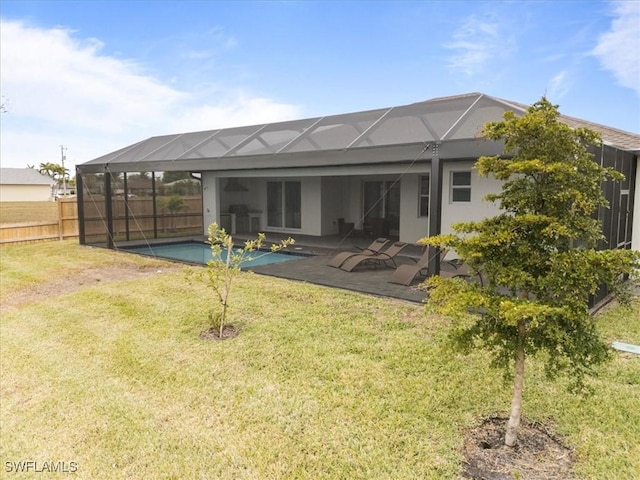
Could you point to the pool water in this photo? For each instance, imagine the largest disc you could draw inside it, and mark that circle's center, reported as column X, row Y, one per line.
column 195, row 252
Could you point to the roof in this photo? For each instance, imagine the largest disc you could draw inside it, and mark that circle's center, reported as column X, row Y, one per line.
column 23, row 176
column 444, row 120
column 610, row 136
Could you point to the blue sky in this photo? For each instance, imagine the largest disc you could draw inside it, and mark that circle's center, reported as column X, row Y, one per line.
column 97, row 76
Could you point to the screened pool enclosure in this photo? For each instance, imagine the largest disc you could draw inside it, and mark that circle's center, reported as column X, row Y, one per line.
column 316, row 176
column 131, row 206
column 405, row 172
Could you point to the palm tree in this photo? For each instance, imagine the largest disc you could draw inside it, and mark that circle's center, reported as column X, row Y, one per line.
column 57, row 172
column 47, row 169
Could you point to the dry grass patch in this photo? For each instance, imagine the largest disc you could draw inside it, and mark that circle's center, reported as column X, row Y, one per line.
column 28, row 212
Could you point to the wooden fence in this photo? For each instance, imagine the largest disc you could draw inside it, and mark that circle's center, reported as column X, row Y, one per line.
column 135, row 217
column 66, row 226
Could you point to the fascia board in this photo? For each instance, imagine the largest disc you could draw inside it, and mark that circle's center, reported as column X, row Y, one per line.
column 357, row 156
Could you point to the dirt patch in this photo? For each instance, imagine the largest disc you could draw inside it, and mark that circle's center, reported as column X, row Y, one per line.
column 539, row 454
column 77, row 281
column 213, row 333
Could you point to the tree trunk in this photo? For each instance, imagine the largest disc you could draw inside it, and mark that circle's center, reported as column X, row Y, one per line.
column 511, row 436
column 227, row 284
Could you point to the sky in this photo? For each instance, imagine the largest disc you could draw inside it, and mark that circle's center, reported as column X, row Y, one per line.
column 95, row 76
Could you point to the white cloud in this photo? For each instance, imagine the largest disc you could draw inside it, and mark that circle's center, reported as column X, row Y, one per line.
column 243, row 110
column 618, row 50
column 558, row 86
column 475, row 44
column 63, row 90
column 215, row 39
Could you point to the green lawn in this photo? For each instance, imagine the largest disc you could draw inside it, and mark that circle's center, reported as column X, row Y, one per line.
column 320, row 383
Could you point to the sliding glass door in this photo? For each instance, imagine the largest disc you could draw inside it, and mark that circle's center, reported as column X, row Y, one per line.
column 274, row 204
column 382, row 201
column 284, row 204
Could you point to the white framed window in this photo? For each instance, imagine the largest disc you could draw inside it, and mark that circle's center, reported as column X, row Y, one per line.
column 460, row 187
column 423, row 196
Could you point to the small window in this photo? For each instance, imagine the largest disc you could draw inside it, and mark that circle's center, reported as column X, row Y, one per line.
column 423, row 196
column 460, row 187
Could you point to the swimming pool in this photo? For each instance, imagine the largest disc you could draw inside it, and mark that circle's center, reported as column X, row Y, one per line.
column 196, row 252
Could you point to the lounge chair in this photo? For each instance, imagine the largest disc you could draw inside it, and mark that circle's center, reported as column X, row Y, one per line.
column 459, row 269
column 381, row 258
column 406, row 274
column 376, row 246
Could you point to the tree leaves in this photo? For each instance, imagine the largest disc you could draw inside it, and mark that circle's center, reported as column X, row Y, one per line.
column 538, row 255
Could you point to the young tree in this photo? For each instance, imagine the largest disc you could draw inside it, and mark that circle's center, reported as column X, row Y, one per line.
column 538, row 255
column 225, row 265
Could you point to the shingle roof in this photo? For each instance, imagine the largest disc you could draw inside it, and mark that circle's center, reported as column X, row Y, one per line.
column 610, row 136
column 23, row 176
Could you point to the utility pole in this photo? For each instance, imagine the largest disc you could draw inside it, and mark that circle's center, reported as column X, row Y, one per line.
column 64, row 178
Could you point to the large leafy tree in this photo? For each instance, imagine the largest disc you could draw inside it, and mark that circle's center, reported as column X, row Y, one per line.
column 538, row 256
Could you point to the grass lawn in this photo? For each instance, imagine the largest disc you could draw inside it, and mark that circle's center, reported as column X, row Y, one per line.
column 28, row 212
column 320, row 383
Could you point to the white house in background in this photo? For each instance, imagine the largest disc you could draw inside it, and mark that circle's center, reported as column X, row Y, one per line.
column 24, row 185
column 404, row 172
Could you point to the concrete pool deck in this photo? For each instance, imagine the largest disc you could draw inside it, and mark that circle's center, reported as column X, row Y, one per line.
column 365, row 279
column 369, row 279
column 372, row 280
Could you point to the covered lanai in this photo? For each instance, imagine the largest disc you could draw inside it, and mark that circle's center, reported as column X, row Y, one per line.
column 404, row 172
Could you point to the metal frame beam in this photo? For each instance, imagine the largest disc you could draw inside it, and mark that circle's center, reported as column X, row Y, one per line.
column 435, row 204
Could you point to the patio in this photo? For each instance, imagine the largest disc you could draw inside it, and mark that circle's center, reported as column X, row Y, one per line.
column 365, row 279
column 373, row 280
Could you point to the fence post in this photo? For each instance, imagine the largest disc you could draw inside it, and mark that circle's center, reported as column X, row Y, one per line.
column 60, row 226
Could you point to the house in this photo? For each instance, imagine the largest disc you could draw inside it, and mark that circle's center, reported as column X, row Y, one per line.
column 404, row 172
column 24, row 185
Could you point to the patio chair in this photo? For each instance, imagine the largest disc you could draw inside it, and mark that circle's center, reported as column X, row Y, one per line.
column 380, row 258
column 376, row 246
column 406, row 274
column 459, row 269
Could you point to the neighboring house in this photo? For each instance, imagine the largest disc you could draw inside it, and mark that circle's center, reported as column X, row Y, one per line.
column 404, row 171
column 24, row 185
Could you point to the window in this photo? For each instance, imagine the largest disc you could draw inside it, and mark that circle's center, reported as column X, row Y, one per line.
column 423, row 196
column 460, row 187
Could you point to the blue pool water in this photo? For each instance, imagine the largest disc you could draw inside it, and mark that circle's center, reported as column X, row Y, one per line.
column 195, row 252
